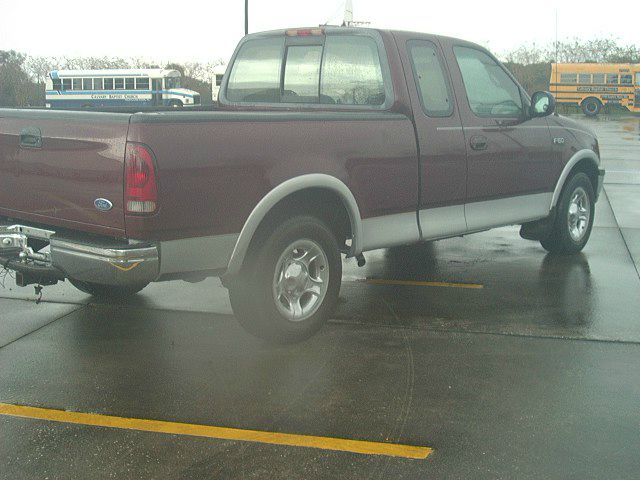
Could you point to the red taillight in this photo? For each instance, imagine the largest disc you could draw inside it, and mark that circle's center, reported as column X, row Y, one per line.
column 140, row 187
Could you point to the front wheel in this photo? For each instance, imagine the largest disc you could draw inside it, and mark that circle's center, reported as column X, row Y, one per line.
column 290, row 286
column 574, row 217
column 107, row 291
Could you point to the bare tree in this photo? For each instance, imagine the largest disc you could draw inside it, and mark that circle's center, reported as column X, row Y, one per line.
column 599, row 50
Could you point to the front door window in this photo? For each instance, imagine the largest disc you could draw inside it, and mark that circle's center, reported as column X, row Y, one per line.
column 490, row 90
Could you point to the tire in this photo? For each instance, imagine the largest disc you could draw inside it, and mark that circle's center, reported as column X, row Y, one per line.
column 107, row 291
column 591, row 107
column 277, row 280
column 574, row 217
column 175, row 104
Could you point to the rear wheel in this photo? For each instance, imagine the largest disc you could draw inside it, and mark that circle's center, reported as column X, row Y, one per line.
column 591, row 107
column 107, row 291
column 574, row 217
column 289, row 287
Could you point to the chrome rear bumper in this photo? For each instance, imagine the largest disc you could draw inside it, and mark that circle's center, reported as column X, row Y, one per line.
column 122, row 265
column 108, row 266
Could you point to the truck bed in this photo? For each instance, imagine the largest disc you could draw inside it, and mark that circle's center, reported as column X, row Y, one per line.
column 213, row 167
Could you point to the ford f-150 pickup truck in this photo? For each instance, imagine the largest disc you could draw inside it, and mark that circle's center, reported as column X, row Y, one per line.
column 327, row 141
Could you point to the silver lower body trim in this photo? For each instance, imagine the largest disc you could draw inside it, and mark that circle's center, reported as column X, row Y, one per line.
column 445, row 222
column 389, row 231
column 196, row 254
column 507, row 211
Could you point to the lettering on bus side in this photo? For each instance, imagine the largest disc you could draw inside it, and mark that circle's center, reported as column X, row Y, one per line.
column 126, row 97
column 597, row 89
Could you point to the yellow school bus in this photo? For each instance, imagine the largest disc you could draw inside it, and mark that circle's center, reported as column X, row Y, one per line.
column 591, row 86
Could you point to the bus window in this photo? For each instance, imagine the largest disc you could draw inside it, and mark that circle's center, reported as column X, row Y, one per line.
column 119, row 83
column 142, row 84
column 584, row 78
column 77, row 83
column 66, row 84
column 57, row 84
column 598, row 78
column 626, row 79
column 87, row 83
column 568, row 77
column 612, row 78
column 129, row 84
column 219, row 80
column 171, row 82
column 97, row 84
column 638, row 79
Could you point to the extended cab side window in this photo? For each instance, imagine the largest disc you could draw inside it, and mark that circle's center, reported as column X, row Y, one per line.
column 490, row 90
column 351, row 71
column 255, row 75
column 431, row 80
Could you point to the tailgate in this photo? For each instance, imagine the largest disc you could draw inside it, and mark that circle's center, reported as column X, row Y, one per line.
column 54, row 165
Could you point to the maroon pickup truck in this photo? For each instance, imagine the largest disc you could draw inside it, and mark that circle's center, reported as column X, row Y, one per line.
column 327, row 141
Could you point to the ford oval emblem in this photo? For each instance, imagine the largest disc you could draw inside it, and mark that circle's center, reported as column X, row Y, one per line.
column 103, row 204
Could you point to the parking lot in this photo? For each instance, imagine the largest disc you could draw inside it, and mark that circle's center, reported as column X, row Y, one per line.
column 475, row 357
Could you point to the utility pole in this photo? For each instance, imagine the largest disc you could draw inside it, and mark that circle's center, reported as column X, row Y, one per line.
column 246, row 17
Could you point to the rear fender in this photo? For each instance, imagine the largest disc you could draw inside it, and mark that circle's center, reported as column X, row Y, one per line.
column 314, row 180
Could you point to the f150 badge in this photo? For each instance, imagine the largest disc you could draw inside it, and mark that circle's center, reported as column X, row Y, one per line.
column 103, row 204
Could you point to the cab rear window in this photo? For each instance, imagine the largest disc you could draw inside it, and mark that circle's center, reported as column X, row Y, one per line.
column 339, row 70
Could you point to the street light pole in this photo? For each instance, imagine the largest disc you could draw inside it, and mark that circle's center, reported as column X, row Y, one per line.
column 246, row 17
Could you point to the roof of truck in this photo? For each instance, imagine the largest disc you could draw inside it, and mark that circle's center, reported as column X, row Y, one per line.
column 338, row 28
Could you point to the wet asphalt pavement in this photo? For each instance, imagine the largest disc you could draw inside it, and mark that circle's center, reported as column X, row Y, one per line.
column 524, row 366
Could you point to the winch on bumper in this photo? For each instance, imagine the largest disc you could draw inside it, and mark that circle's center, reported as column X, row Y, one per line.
column 88, row 261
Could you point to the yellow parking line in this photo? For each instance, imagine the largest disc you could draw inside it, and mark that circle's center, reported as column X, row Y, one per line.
column 417, row 283
column 224, row 433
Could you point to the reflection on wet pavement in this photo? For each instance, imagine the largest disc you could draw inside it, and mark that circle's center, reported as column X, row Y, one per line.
column 619, row 138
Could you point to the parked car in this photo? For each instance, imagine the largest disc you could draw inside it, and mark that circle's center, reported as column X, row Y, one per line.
column 328, row 141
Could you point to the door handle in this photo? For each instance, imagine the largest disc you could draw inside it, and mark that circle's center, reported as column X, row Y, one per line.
column 31, row 137
column 478, row 142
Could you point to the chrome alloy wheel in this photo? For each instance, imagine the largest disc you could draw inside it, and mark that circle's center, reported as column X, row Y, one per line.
column 579, row 214
column 301, row 280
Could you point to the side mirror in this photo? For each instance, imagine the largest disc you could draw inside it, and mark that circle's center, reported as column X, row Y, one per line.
column 542, row 104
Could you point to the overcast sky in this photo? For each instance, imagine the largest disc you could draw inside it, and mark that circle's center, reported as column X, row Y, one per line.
column 189, row 30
